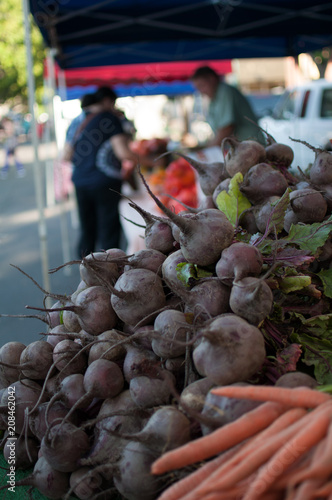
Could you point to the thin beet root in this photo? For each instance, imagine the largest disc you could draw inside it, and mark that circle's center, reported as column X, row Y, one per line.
column 158, row 232
column 209, row 174
column 203, row 237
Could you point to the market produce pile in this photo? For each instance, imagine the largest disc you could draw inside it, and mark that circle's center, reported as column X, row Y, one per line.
column 139, row 363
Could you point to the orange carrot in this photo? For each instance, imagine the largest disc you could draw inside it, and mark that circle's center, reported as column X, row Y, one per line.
column 189, row 482
column 286, row 481
column 229, row 458
column 219, row 440
column 303, row 441
column 321, row 466
column 300, row 396
column 324, row 490
column 245, row 452
column 306, row 489
column 222, row 479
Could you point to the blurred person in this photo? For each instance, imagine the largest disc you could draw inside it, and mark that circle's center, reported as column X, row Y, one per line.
column 10, row 146
column 106, row 99
column 88, row 105
column 99, row 147
column 228, row 108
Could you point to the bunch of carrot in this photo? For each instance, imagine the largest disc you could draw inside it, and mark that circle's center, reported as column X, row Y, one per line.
column 281, row 450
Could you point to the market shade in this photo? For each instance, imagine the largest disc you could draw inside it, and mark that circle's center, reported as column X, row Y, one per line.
column 143, row 74
column 87, row 33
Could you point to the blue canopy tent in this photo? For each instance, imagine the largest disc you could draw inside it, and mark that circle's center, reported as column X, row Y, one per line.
column 175, row 88
column 89, row 33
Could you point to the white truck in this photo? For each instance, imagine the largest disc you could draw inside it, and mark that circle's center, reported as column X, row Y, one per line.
column 303, row 112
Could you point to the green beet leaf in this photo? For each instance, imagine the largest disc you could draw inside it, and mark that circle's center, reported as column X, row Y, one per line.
column 233, row 203
column 189, row 273
column 315, row 340
column 326, row 278
column 292, row 283
column 310, row 236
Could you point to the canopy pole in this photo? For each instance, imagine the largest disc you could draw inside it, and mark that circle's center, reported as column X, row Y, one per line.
column 38, row 177
column 53, row 100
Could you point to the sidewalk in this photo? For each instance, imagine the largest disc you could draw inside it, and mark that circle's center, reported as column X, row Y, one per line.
column 20, row 246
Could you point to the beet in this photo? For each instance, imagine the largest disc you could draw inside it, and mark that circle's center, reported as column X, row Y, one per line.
column 64, row 445
column 231, row 350
column 238, row 261
column 308, row 205
column 203, row 237
column 137, row 297
column 94, row 310
column 261, row 182
column 171, row 330
column 240, row 156
column 158, row 232
column 252, row 299
column 100, row 268
column 36, row 360
column 146, row 259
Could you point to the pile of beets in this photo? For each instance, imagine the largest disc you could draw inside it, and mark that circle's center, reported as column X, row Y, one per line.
column 125, row 370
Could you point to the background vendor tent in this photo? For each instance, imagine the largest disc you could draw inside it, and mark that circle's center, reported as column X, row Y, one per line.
column 87, row 33
column 170, row 78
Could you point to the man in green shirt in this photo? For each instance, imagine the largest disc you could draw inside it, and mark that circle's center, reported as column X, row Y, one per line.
column 228, row 108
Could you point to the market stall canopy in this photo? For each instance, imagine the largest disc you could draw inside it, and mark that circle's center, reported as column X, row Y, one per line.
column 87, row 33
column 148, row 74
column 170, row 78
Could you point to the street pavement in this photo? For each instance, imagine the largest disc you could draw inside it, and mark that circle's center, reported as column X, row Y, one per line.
column 20, row 246
column 20, row 243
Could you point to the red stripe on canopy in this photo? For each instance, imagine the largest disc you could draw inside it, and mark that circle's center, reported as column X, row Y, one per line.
column 139, row 73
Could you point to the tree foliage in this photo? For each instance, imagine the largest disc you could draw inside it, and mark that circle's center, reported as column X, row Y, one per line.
column 13, row 66
column 321, row 59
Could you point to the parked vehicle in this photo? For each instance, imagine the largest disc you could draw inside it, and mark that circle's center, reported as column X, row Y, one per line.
column 303, row 112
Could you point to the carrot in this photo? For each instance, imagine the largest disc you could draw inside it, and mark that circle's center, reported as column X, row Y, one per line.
column 233, row 493
column 244, row 453
column 229, row 458
column 225, row 479
column 219, row 440
column 307, row 437
column 324, row 490
column 188, row 483
column 300, row 396
column 306, row 489
column 286, row 481
column 321, row 466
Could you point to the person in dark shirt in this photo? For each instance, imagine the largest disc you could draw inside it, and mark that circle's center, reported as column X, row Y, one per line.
column 99, row 148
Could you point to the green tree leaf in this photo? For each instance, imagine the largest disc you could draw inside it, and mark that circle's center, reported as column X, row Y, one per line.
column 13, row 67
column 233, row 203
